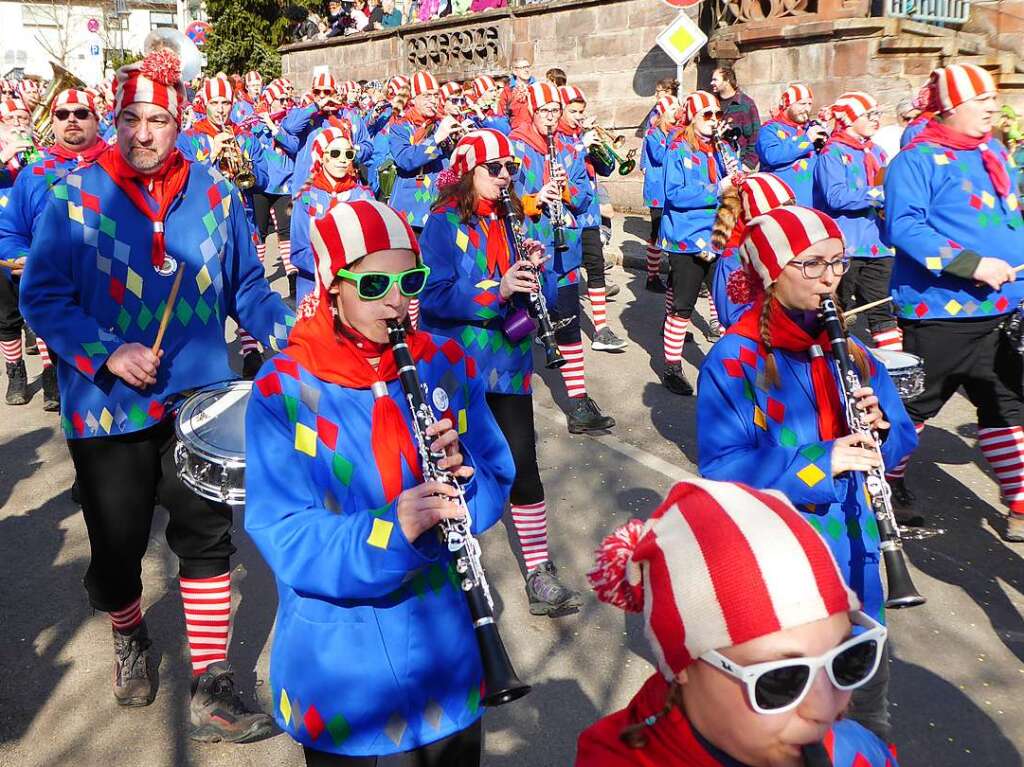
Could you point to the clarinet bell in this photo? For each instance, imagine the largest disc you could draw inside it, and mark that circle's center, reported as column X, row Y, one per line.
column 560, row 245
column 900, row 587
column 501, row 685
column 554, row 358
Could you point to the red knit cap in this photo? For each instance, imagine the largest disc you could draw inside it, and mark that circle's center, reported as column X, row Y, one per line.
column 217, row 88
column 666, row 105
column 450, row 89
column 542, row 94
column 953, row 85
column 273, row 92
column 697, row 103
column 9, row 106
column 570, row 93
column 348, row 86
column 422, row 82
column 395, row 84
column 325, row 138
column 775, row 238
column 853, row 105
column 154, row 80
column 483, row 84
column 284, row 84
column 476, row 148
column 27, row 86
column 324, row 81
column 762, row 192
column 72, row 98
column 719, row 564
column 793, row 94
column 253, row 78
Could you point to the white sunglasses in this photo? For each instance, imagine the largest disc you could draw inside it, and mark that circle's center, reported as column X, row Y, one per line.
column 780, row 685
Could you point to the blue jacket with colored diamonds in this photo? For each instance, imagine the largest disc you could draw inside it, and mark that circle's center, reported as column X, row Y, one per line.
column 305, row 124
column 786, row 151
column 279, row 150
column 419, row 164
column 591, row 217
column 941, row 213
column 374, row 651
column 89, row 287
column 841, row 189
column 652, row 164
column 461, row 299
column 768, row 437
column 26, row 202
column 690, row 197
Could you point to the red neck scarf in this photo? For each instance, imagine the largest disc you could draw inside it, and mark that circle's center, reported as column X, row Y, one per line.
column 211, row 130
column 783, row 118
column 785, row 334
column 937, row 133
column 424, row 125
column 344, row 359
column 497, row 241
column 871, row 166
column 86, row 157
column 164, row 186
column 528, row 133
column 330, row 184
column 708, row 149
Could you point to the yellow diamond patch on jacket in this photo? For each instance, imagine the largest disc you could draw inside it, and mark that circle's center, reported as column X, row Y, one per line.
column 954, row 306
column 305, row 440
column 811, row 475
column 380, row 533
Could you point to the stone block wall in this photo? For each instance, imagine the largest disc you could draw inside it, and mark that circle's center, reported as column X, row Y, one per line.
column 1001, row 22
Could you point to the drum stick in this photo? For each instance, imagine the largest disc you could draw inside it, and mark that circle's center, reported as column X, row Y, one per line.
column 168, row 309
column 1018, row 268
column 10, row 263
column 872, row 305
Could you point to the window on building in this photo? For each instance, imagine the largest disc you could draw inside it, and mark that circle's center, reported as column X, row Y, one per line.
column 116, row 23
column 159, row 19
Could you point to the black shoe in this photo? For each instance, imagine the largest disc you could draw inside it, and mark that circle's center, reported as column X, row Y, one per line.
column 714, row 331
column 655, row 285
column 586, row 416
column 252, row 361
column 17, row 383
column 611, row 290
column 548, row 595
column 51, row 392
column 218, row 712
column 31, row 342
column 675, row 380
column 133, row 685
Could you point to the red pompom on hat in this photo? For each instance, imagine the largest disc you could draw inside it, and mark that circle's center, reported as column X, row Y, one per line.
column 775, row 238
column 951, row 86
column 719, row 564
column 154, row 80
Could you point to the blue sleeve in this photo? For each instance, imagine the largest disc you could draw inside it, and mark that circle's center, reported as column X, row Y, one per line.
column 451, row 294
column 287, row 142
column 498, row 123
column 834, row 189
column 18, row 219
column 361, row 139
column 297, row 121
column 189, row 146
column 258, row 157
column 776, row 152
column 581, row 187
column 901, row 440
column 409, row 156
column 686, row 188
column 302, row 252
column 654, row 150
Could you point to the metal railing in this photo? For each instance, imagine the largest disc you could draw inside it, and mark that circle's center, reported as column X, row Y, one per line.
column 930, row 11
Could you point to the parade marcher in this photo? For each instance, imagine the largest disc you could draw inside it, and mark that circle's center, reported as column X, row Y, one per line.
column 334, row 180
column 514, row 102
column 347, row 523
column 573, row 130
column 787, row 145
column 652, row 165
column 758, row 641
column 246, row 97
column 547, row 188
column 695, row 177
column 666, row 87
column 482, row 96
column 30, row 91
column 848, row 186
column 381, row 160
column 473, row 287
column 75, row 123
column 769, row 407
column 953, row 215
column 739, row 112
column 925, row 114
column 100, row 269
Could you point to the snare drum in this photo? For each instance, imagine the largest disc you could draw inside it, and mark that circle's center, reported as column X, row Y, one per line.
column 210, row 454
column 906, row 371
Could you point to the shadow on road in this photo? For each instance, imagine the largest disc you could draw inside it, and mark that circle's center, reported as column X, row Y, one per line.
column 22, row 462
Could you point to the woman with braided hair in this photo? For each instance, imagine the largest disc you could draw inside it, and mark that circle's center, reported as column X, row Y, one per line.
column 769, row 409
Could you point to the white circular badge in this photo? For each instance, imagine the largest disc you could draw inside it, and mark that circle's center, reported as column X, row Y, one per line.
column 440, row 397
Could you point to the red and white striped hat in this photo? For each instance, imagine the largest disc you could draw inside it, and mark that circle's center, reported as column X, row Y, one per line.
column 72, row 98
column 953, row 85
column 666, row 105
column 852, row 105
column 27, row 86
column 273, row 92
column 570, row 93
column 719, row 564
column 450, row 89
column 9, row 106
column 217, row 88
column 325, row 138
column 542, row 94
column 775, row 238
column 483, row 84
column 395, row 84
column 697, row 103
column 253, row 78
column 348, row 86
column 423, row 82
column 762, row 192
column 324, row 81
column 154, row 80
column 793, row 94
column 284, row 84
column 351, row 230
column 476, row 148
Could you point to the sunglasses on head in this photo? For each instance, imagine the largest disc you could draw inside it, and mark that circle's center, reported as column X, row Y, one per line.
column 348, row 154
column 780, row 685
column 495, row 166
column 373, row 286
column 64, row 114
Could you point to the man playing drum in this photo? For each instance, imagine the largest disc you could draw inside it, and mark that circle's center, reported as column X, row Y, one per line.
column 113, row 239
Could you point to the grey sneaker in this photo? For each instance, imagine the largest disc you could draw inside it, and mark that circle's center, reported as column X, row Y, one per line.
column 218, row 711
column 133, row 684
column 548, row 595
column 606, row 341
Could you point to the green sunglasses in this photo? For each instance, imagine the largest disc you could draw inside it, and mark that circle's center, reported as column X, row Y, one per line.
column 373, row 286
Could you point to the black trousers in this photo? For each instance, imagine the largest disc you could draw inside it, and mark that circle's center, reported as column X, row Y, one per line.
column 655, row 225
column 868, row 280
column 567, row 307
column 593, row 257
column 687, row 273
column 281, row 203
column 11, row 322
column 965, row 353
column 514, row 414
column 121, row 479
column 461, row 749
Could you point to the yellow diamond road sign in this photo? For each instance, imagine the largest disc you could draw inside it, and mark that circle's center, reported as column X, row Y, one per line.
column 682, row 39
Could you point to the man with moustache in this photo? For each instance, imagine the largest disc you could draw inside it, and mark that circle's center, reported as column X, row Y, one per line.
column 788, row 144
column 107, row 248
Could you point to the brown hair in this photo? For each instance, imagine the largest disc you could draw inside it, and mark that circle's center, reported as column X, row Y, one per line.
column 463, row 196
column 669, row 84
column 557, row 76
column 728, row 74
column 635, row 736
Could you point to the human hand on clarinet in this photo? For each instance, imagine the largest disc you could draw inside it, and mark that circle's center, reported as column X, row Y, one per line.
column 871, row 414
column 551, row 192
column 854, row 452
column 994, row 272
column 521, row 277
column 135, row 364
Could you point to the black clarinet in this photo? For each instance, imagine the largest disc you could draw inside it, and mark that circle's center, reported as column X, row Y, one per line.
column 900, row 587
column 815, row 755
column 537, row 306
column 501, row 685
column 556, row 210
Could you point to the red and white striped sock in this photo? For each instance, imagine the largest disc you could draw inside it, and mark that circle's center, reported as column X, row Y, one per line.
column 900, row 470
column 284, row 250
column 261, row 251
column 246, row 342
column 712, row 311
column 597, row 306
column 1003, row 448
column 11, row 351
column 44, row 353
column 653, row 260
column 675, row 337
column 414, row 312
column 888, row 339
column 531, row 524
column 207, row 603
column 572, row 371
column 127, row 618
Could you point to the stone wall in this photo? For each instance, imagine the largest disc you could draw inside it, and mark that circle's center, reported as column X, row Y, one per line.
column 1001, row 22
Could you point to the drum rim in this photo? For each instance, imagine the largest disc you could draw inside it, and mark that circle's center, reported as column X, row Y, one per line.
column 191, row 443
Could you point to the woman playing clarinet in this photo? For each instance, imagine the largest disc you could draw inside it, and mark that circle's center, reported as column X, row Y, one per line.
column 374, row 655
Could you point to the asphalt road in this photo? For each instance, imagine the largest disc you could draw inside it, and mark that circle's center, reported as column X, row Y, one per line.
column 957, row 665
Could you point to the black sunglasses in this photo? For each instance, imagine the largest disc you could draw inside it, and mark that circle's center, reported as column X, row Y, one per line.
column 64, row 114
column 494, row 167
column 334, row 154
